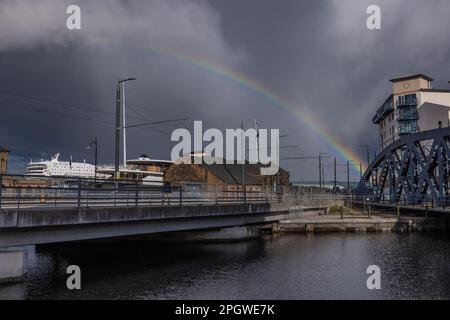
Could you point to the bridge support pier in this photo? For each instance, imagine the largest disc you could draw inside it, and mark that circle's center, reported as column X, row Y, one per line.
column 13, row 265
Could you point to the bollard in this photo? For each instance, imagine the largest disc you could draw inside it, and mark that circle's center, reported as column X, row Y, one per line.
column 342, row 212
column 398, row 210
column 181, row 195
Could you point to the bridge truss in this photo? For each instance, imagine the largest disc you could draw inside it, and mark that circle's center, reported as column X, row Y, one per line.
column 413, row 169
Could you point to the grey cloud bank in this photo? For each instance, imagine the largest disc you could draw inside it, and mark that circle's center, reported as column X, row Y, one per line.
column 318, row 54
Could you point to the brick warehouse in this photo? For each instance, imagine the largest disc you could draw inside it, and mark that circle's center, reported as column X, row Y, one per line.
column 225, row 175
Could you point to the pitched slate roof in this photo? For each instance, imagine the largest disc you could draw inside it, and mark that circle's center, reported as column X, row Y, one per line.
column 232, row 173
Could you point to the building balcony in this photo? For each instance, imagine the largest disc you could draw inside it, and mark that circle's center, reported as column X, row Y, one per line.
column 408, row 127
column 407, row 131
column 407, row 115
column 382, row 112
column 403, row 101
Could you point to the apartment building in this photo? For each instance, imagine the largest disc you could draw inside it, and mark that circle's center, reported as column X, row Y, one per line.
column 413, row 106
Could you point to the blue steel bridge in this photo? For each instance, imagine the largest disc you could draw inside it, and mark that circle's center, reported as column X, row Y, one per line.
column 412, row 171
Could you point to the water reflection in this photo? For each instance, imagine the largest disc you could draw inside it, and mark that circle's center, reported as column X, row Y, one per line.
column 13, row 292
column 283, row 267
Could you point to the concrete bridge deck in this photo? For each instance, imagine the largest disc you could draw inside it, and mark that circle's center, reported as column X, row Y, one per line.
column 40, row 226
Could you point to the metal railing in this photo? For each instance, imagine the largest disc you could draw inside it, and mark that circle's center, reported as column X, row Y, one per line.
column 408, row 101
column 428, row 201
column 407, row 115
column 25, row 192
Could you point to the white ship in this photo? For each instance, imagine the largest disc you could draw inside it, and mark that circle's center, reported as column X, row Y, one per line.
column 57, row 168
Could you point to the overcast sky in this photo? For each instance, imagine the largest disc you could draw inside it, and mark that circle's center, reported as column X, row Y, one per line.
column 318, row 55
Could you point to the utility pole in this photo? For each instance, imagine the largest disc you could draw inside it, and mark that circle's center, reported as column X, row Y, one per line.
column 348, row 173
column 243, row 164
column 335, row 179
column 95, row 161
column 335, row 165
column 323, row 175
column 124, row 127
column 118, row 127
column 321, row 156
column 320, row 171
column 94, row 143
column 348, row 176
column 257, row 140
column 116, row 158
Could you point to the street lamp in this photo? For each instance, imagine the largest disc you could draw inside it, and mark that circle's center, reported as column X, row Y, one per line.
column 118, row 127
column 94, row 144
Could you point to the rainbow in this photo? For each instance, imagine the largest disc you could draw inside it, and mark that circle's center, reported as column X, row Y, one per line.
column 269, row 95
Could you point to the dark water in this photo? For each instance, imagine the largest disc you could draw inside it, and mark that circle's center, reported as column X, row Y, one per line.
column 325, row 266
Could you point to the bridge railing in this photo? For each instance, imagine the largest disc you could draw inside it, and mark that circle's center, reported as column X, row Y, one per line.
column 428, row 201
column 21, row 192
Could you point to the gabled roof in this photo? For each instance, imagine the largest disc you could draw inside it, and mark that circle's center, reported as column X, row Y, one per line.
column 232, row 173
column 414, row 76
column 221, row 172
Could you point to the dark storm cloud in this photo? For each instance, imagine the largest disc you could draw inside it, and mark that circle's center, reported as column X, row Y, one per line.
column 321, row 55
column 40, row 57
column 317, row 54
